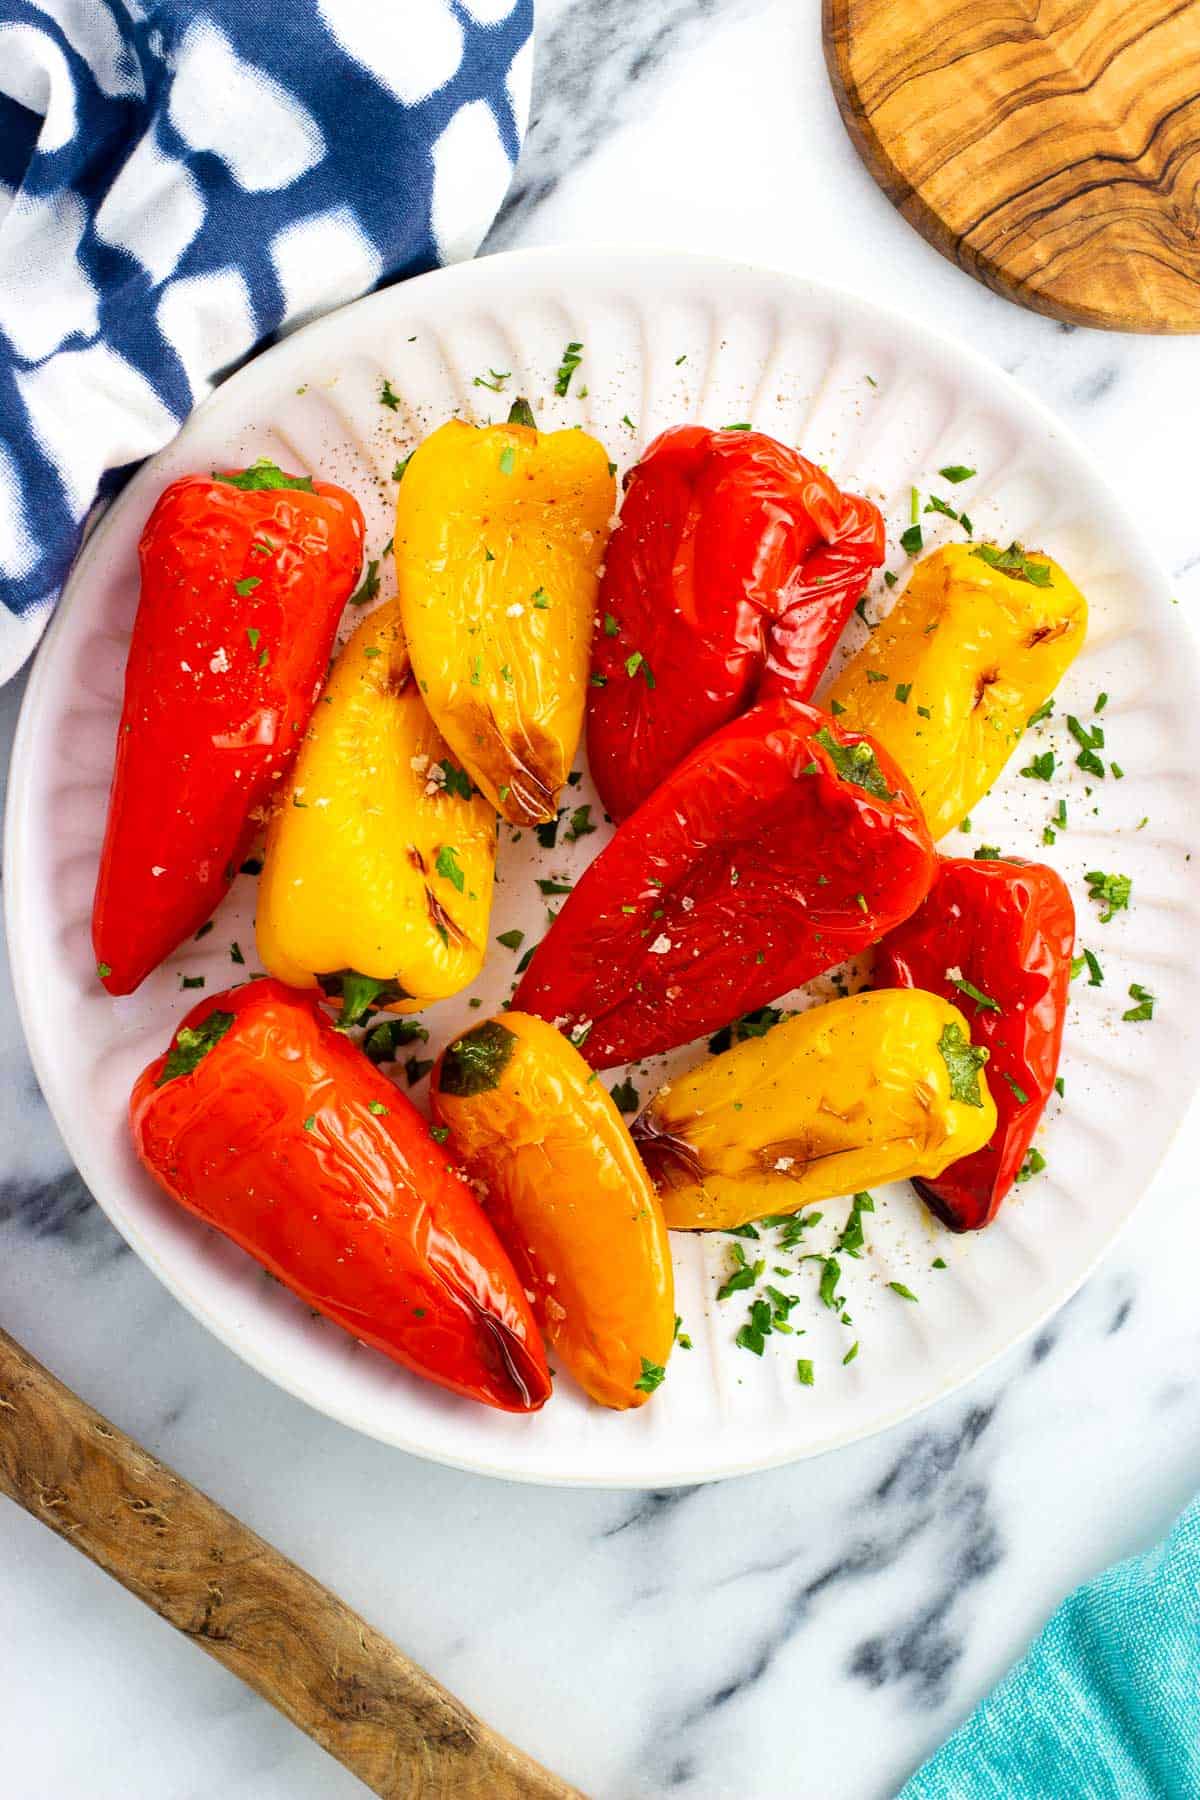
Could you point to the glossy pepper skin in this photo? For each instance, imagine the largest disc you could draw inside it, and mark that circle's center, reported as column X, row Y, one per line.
column 380, row 857
column 780, row 846
column 500, row 533
column 839, row 1098
column 569, row 1197
column 1008, row 928
column 731, row 573
column 243, row 580
column 278, row 1131
column 949, row 678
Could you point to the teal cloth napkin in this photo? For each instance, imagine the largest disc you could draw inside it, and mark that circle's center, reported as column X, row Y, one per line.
column 1106, row 1704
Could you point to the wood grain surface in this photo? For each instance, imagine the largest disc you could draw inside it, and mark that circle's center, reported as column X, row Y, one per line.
column 1049, row 147
column 289, row 1638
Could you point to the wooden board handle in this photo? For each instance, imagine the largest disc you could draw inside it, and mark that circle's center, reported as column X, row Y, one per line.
column 285, row 1635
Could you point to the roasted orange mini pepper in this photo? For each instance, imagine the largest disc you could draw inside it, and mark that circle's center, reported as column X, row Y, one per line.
column 500, row 533
column 566, row 1190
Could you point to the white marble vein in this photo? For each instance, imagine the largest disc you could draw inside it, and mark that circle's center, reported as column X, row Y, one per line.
column 813, row 1632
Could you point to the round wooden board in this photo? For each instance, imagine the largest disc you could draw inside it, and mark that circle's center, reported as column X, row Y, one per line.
column 1051, row 148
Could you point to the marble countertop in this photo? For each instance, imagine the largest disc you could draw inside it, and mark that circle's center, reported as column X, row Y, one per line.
column 815, row 1631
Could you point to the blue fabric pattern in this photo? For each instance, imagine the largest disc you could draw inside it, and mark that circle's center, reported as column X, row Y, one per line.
column 1105, row 1706
column 179, row 179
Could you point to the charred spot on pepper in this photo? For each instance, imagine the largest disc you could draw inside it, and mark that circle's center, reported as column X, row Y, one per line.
column 474, row 1063
column 988, row 678
column 447, row 928
column 1047, row 634
column 664, row 1152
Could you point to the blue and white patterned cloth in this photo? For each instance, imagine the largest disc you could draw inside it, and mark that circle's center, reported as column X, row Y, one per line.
column 181, row 178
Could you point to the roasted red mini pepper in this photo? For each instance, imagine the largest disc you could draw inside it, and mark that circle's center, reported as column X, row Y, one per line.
column 244, row 577
column 734, row 567
column 996, row 937
column 777, row 848
column 270, row 1125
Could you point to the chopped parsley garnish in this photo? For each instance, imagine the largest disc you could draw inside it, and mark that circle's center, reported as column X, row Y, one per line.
column 554, row 887
column 264, row 474
column 377, row 1107
column 653, row 1374
column 1034, row 1163
column 191, row 981
column 580, row 824
column 508, row 457
column 912, row 541
column 1041, row 768
column 247, row 585
column 388, row 398
column 611, row 628
column 638, row 662
column 1145, row 1005
column 751, row 1025
column 235, row 953
column 398, row 468
column 876, row 675
column 448, row 866
column 390, row 1035
column 903, row 690
column 369, row 587
column 983, row 1002
column 754, row 1334
column 1043, row 712
column 1014, row 563
column 571, row 359
column 203, row 931
column 1109, row 891
column 310, row 1124
column 1060, row 1087
column 416, row 1069
column 956, row 472
column 741, row 425
column 252, row 635
column 851, row 1353
column 547, row 832
column 439, row 1133
column 541, row 599
column 1019, row 1094
column 192, row 1043
column 742, row 1275
column 457, row 780
column 963, row 1062
column 804, row 1371
column 855, row 763
column 494, row 379
column 625, row 1096
column 852, row 1236
column 831, row 1274
column 512, row 940
column 905, row 1293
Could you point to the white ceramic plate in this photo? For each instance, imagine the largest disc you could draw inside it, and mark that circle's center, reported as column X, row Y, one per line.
column 883, row 403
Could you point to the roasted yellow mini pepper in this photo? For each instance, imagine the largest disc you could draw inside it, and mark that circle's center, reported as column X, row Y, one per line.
column 500, row 533
column 377, row 879
column 569, row 1196
column 976, row 643
column 878, row 1087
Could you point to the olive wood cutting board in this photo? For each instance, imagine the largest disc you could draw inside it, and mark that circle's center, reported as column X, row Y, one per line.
column 1051, row 148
